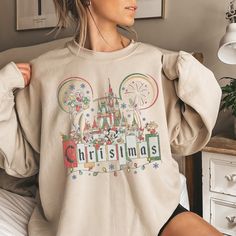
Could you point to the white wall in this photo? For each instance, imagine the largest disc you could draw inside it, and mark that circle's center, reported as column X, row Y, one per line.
column 190, row 25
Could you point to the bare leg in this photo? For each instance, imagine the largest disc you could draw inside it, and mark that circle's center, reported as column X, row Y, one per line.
column 188, row 223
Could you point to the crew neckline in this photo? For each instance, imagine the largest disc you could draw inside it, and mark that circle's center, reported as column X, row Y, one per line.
column 77, row 50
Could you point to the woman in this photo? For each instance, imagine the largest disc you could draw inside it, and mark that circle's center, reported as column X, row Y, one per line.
column 119, row 107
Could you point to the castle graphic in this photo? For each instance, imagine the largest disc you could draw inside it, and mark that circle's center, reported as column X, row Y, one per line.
column 112, row 137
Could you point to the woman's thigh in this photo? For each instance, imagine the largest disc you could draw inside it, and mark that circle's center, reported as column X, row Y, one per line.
column 189, row 224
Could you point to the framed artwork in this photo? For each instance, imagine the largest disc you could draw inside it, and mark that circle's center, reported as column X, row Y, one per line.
column 35, row 14
column 150, row 9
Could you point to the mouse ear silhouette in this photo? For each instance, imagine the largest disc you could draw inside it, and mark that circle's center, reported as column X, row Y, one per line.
column 74, row 95
column 139, row 90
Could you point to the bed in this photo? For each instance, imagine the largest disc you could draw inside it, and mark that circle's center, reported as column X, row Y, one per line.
column 16, row 199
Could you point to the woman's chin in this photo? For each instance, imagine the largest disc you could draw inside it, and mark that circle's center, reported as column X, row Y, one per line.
column 129, row 22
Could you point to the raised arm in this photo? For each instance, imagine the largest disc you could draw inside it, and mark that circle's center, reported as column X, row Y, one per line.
column 192, row 99
column 17, row 156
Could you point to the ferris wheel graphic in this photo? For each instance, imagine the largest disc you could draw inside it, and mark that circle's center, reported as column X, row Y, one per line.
column 139, row 90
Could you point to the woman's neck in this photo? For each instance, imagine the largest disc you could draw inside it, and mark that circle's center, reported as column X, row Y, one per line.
column 104, row 37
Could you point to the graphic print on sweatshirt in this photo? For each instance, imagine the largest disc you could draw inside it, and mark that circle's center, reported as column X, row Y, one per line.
column 110, row 133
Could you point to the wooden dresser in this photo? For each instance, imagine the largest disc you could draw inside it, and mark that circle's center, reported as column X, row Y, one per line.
column 219, row 183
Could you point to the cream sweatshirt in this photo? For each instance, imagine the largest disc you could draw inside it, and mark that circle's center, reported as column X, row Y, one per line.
column 99, row 129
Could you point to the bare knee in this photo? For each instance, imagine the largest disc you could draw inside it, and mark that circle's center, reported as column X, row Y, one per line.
column 188, row 223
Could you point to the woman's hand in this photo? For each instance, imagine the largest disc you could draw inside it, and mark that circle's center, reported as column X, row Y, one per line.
column 25, row 69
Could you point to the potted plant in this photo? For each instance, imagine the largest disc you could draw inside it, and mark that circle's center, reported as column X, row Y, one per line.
column 229, row 98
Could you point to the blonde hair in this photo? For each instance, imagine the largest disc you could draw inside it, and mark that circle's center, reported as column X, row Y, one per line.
column 74, row 12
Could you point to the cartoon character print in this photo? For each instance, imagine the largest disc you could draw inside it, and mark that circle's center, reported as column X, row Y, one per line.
column 111, row 133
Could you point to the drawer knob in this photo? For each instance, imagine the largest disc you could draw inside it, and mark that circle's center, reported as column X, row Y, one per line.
column 231, row 219
column 231, row 178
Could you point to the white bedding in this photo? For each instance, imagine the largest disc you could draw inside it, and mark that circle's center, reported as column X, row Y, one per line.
column 15, row 212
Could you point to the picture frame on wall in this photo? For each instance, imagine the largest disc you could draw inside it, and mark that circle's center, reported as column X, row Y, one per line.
column 150, row 9
column 35, row 14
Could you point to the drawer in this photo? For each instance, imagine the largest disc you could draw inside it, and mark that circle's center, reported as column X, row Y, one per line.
column 223, row 216
column 223, row 176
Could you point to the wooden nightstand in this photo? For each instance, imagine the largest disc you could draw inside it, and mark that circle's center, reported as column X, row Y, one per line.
column 219, row 184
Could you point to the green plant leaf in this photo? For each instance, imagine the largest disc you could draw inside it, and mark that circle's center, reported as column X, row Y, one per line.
column 229, row 98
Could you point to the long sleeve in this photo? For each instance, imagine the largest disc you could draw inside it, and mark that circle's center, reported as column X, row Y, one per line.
column 18, row 152
column 192, row 98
